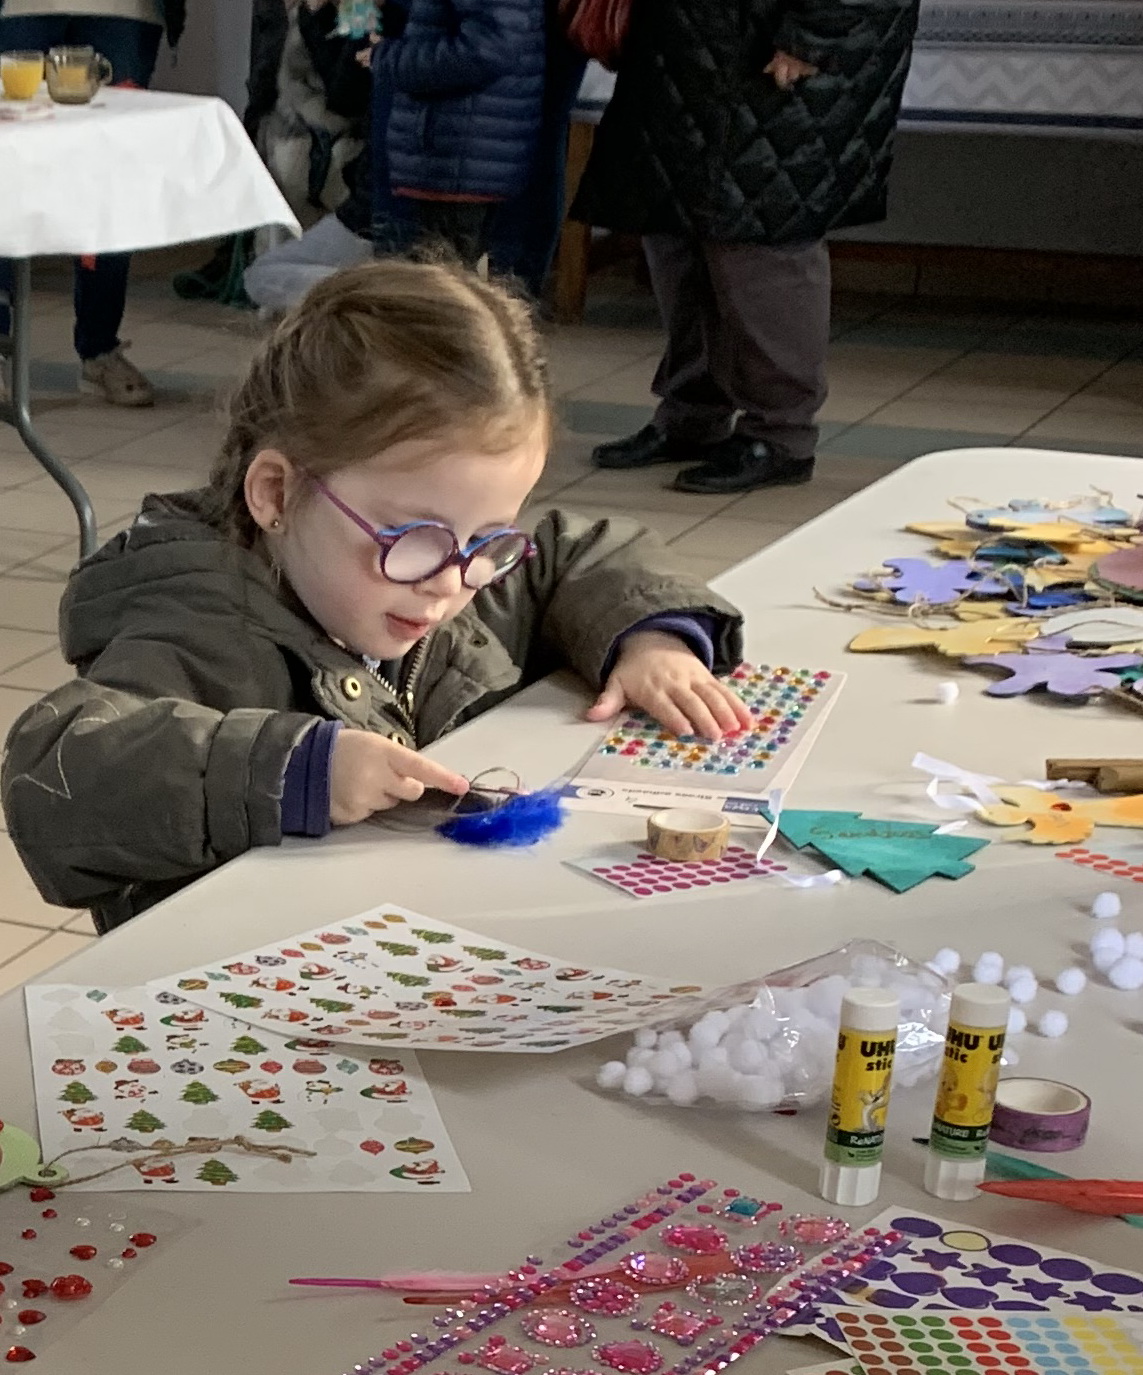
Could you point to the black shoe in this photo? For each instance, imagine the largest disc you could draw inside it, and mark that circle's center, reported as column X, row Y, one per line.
column 743, row 465
column 642, row 450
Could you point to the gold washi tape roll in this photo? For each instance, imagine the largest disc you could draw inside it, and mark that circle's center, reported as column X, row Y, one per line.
column 688, row 835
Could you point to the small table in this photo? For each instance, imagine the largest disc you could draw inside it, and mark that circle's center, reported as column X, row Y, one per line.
column 132, row 170
column 543, row 1148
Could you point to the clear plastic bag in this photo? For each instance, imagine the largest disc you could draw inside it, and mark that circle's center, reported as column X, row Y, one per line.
column 771, row 1043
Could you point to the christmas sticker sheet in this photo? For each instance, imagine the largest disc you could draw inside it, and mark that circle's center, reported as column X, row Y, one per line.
column 391, row 978
column 134, row 1076
column 638, row 766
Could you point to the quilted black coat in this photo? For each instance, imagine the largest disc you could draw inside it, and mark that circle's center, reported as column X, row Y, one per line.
column 468, row 83
column 697, row 141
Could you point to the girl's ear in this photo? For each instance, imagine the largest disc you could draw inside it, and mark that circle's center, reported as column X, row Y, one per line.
column 271, row 481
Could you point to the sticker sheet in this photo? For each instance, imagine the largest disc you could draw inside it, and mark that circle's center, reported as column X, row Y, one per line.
column 640, row 874
column 969, row 1343
column 639, row 766
column 830, row 1368
column 1125, row 861
column 391, row 978
column 116, row 1067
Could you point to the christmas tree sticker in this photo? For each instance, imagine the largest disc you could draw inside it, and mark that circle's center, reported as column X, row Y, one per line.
column 197, row 1092
column 332, row 1004
column 484, row 952
column 129, row 1045
column 144, row 1121
column 240, row 1000
column 433, row 937
column 247, row 1045
column 270, row 1121
column 75, row 1092
column 395, row 948
column 216, row 1172
column 409, row 980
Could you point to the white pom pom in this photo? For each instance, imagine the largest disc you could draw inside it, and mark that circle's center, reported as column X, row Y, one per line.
column 1018, row 971
column 1024, row 989
column 748, row 1057
column 670, row 1038
column 1107, row 946
column 1071, row 981
column 1106, row 905
column 611, row 1075
column 761, row 1023
column 682, row 1090
column 989, row 969
column 1017, row 1021
column 663, row 1064
column 703, row 1036
column 717, row 1019
column 1053, row 1024
column 682, row 1054
column 718, row 1082
column 713, row 1055
column 1126, row 973
column 824, row 997
column 639, row 1055
column 757, row 1092
column 646, row 1039
column 638, row 1081
column 1103, row 959
column 1133, row 944
column 946, row 693
column 946, row 960
column 1011, row 1057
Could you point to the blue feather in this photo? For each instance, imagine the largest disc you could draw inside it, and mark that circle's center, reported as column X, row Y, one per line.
column 523, row 820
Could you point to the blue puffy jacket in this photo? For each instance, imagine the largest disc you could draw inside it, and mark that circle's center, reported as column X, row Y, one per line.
column 468, row 83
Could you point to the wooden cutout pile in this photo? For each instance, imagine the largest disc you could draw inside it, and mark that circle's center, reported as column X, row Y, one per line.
column 1034, row 591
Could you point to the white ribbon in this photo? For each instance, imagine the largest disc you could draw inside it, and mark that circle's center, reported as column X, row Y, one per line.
column 943, row 772
column 826, row 880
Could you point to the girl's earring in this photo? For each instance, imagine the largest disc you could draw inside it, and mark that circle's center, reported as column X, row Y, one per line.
column 275, row 524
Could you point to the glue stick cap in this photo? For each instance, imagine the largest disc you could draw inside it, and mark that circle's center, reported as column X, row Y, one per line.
column 869, row 1010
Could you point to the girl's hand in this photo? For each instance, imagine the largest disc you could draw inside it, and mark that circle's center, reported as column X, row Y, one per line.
column 787, row 71
column 371, row 774
column 659, row 673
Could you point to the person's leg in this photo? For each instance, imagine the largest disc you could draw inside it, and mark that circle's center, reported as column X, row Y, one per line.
column 101, row 283
column 770, row 359
column 282, row 276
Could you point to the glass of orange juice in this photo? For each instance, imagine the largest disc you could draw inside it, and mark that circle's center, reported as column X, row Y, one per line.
column 21, row 74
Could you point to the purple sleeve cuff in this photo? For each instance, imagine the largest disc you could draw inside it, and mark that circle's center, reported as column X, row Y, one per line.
column 306, row 785
column 696, row 631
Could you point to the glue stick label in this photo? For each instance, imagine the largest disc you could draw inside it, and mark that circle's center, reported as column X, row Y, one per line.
column 966, row 1095
column 860, row 1099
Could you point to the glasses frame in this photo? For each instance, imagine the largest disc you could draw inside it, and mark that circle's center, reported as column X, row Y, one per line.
column 385, row 539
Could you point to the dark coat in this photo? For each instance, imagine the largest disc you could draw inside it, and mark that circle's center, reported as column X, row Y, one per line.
column 468, row 86
column 697, row 141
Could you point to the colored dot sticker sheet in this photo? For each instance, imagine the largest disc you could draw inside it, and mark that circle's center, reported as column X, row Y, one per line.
column 960, row 1343
column 392, row 978
column 640, row 874
column 1125, row 863
column 129, row 1071
column 638, row 765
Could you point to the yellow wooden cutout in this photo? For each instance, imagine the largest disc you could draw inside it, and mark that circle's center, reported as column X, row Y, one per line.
column 971, row 637
column 1056, row 819
column 979, row 611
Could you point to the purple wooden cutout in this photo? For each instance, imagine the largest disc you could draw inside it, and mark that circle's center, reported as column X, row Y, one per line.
column 1048, row 665
column 937, row 584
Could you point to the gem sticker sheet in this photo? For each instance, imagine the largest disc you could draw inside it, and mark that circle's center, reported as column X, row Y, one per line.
column 118, row 1068
column 641, row 875
column 639, row 766
column 393, row 978
column 960, row 1343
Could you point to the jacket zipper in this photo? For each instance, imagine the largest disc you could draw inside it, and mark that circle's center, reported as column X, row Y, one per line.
column 404, row 699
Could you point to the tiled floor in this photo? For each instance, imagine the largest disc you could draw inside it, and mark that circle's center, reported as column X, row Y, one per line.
column 907, row 378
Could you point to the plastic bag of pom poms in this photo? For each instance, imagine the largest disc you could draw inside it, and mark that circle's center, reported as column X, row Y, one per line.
column 771, row 1042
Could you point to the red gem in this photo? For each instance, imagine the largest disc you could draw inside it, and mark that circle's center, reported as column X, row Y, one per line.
column 41, row 1195
column 130, row 1253
column 28, row 1234
column 19, row 1353
column 143, row 1239
column 83, row 1252
column 49, row 1213
column 34, row 1288
column 70, row 1287
column 30, row 1317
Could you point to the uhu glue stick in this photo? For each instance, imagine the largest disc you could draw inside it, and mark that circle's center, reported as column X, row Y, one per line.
column 866, row 1042
column 966, row 1094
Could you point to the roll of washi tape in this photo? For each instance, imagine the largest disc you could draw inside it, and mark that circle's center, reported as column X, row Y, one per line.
column 1040, row 1115
column 687, row 835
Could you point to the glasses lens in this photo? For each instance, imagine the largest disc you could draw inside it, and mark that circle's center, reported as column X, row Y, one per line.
column 418, row 554
column 495, row 558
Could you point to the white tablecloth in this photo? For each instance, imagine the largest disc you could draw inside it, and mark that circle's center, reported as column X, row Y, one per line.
column 135, row 169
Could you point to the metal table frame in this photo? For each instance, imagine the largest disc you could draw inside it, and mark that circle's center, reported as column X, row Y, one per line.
column 16, row 349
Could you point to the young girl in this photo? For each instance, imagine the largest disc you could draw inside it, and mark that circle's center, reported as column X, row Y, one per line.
column 265, row 656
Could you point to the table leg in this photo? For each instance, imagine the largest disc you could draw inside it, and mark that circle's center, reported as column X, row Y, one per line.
column 17, row 347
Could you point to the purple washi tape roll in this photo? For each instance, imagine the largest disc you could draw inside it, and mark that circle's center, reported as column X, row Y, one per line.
column 1040, row 1115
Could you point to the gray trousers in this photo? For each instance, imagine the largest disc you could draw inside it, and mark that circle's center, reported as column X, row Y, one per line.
column 747, row 333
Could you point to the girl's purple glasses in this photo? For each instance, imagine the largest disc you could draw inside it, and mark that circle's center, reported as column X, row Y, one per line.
column 420, row 550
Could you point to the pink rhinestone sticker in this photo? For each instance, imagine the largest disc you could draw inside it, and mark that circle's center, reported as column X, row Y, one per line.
column 650, row 1268
column 500, row 1355
column 633, row 1358
column 731, row 1290
column 681, row 1325
column 605, row 1297
column 694, row 1239
column 814, row 1230
column 767, row 1258
column 557, row 1327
